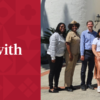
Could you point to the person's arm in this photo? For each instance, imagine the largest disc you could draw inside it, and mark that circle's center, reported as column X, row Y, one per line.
column 82, row 46
column 94, row 46
column 53, row 42
column 69, row 51
column 68, row 42
column 94, row 49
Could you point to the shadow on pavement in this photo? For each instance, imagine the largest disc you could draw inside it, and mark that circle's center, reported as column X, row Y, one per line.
column 77, row 87
column 94, row 85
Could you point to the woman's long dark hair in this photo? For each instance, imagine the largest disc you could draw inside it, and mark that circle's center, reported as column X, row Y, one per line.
column 57, row 29
column 98, row 34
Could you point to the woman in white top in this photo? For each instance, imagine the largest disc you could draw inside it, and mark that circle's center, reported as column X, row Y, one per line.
column 96, row 51
column 55, row 56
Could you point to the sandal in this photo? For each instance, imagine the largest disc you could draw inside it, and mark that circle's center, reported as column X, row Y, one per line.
column 54, row 91
column 58, row 88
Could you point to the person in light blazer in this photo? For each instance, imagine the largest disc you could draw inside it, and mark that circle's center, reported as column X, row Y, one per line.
column 55, row 54
column 72, row 54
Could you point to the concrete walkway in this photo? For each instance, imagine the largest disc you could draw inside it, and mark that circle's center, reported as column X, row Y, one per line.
column 64, row 95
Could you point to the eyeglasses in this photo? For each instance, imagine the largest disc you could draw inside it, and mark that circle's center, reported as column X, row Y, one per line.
column 62, row 27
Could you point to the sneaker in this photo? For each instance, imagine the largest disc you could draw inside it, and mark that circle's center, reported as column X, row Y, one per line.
column 98, row 89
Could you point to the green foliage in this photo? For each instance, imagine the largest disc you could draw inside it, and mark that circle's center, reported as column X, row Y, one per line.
column 45, row 38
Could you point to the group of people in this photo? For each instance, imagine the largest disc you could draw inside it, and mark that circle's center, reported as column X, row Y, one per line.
column 74, row 47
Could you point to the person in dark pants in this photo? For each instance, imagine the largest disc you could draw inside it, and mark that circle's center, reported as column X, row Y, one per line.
column 87, row 56
column 55, row 54
column 55, row 69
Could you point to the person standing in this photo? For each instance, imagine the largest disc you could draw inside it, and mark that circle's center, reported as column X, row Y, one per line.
column 96, row 51
column 87, row 56
column 55, row 53
column 72, row 54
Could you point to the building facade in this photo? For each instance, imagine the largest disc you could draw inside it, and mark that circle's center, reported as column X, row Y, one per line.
column 55, row 11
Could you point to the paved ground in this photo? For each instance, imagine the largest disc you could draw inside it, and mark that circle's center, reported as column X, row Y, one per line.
column 64, row 95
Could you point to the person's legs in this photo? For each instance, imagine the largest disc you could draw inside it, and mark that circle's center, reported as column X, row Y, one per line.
column 98, row 81
column 74, row 63
column 52, row 71
column 98, row 84
column 68, row 71
column 90, row 70
column 58, row 65
column 83, row 69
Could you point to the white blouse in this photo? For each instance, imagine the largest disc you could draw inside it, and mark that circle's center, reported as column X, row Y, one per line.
column 96, row 42
column 56, row 46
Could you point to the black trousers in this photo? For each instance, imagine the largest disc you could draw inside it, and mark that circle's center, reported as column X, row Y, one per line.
column 55, row 69
column 88, row 60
